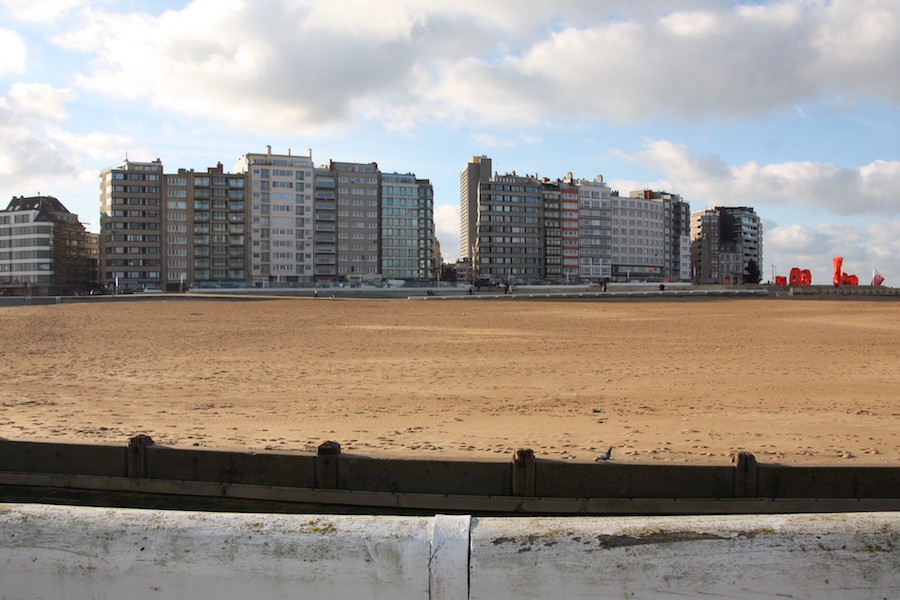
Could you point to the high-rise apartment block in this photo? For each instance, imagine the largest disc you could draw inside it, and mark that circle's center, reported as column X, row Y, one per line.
column 281, row 225
column 653, row 235
column 131, row 248
column 206, row 228
column 526, row 229
column 357, row 186
column 723, row 242
column 477, row 171
column 44, row 249
column 277, row 220
column 594, row 230
column 569, row 196
column 552, row 201
column 509, row 223
column 409, row 246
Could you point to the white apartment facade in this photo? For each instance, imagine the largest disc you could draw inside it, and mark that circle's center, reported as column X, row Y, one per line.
column 638, row 226
column 281, row 189
column 651, row 237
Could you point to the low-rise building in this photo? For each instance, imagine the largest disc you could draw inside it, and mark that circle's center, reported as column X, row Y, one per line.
column 45, row 249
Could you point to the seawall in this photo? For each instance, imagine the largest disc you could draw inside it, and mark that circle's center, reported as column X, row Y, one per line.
column 85, row 553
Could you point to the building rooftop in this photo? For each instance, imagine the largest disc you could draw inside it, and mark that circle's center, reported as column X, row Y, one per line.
column 45, row 205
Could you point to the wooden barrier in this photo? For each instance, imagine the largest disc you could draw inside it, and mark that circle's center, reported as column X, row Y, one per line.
column 524, row 484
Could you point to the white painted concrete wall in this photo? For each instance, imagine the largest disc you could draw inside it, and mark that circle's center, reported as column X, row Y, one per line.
column 840, row 556
column 79, row 553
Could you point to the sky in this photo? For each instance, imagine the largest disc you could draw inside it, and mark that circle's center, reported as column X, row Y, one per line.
column 791, row 107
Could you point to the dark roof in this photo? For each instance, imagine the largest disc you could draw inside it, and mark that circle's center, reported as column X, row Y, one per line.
column 44, row 204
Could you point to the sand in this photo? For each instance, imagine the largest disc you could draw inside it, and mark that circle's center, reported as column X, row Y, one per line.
column 791, row 381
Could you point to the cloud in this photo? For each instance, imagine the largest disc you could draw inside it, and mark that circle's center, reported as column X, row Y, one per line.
column 43, row 11
column 798, row 240
column 38, row 156
column 95, row 145
column 728, row 62
column 488, row 140
column 40, row 100
column 313, row 68
column 446, row 222
column 863, row 248
column 14, row 52
column 866, row 190
column 299, row 67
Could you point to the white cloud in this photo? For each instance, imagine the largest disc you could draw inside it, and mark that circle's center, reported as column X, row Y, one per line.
column 292, row 69
column 95, row 145
column 863, row 248
column 488, row 140
column 446, row 222
column 41, row 10
column 866, row 190
column 730, row 62
column 37, row 156
column 310, row 67
column 40, row 100
column 691, row 23
column 14, row 52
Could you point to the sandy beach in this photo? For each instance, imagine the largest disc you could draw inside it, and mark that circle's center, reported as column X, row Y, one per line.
column 792, row 381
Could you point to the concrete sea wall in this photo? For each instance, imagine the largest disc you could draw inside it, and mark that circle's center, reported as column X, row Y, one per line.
column 87, row 553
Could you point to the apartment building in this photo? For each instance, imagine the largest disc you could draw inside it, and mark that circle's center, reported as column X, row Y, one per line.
column 705, row 246
column 569, row 196
column 652, row 237
column 407, row 228
column 741, row 233
column 476, row 172
column 45, row 249
column 206, row 216
column 464, row 271
column 552, row 200
column 509, row 242
column 678, row 237
column 130, row 225
column 589, row 232
column 277, row 220
column 358, row 190
column 438, row 261
column 594, row 230
column 325, row 223
column 281, row 188
column 723, row 242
